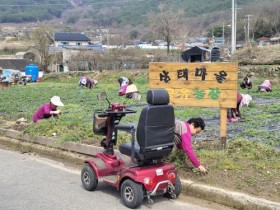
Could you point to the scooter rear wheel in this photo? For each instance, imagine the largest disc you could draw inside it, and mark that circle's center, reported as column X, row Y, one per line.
column 88, row 177
column 132, row 193
column 177, row 191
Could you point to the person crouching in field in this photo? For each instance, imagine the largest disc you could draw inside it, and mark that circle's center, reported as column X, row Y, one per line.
column 183, row 139
column 87, row 82
column 246, row 83
column 130, row 89
column 234, row 113
column 265, row 86
column 91, row 83
column 246, row 99
column 48, row 110
column 123, row 81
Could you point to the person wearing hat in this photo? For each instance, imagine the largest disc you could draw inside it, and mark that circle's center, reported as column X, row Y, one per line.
column 183, row 139
column 48, row 109
column 124, row 82
column 83, row 81
column 130, row 89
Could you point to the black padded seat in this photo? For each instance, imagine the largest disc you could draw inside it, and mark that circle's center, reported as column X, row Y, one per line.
column 126, row 149
column 155, row 130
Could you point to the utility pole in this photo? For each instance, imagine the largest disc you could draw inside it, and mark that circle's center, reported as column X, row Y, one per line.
column 248, row 28
column 233, row 26
column 108, row 47
column 233, row 46
column 223, row 33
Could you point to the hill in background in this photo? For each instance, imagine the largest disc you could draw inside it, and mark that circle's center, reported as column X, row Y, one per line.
column 82, row 14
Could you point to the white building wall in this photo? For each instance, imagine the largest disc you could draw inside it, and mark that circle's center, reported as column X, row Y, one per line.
column 70, row 43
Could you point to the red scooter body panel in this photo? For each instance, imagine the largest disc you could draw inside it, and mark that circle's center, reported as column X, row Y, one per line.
column 105, row 164
column 155, row 173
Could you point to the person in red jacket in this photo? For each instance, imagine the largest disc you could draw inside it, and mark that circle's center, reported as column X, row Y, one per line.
column 234, row 113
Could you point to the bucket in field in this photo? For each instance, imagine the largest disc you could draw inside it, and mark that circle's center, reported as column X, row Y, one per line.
column 33, row 71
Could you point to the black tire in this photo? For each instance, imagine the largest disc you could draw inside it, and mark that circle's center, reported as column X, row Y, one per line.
column 132, row 194
column 178, row 189
column 21, row 82
column 88, row 177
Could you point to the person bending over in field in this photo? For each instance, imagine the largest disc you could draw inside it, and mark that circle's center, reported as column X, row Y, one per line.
column 183, row 138
column 48, row 110
column 265, row 86
column 246, row 83
column 234, row 113
column 87, row 82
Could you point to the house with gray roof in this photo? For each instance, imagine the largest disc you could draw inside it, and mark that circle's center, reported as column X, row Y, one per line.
column 70, row 39
column 16, row 64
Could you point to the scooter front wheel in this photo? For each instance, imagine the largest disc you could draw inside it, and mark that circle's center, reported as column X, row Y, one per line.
column 88, row 177
column 132, row 193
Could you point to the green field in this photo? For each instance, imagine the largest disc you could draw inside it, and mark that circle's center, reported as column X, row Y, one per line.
column 249, row 164
column 75, row 123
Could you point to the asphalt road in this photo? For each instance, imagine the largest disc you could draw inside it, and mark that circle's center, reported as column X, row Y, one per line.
column 28, row 181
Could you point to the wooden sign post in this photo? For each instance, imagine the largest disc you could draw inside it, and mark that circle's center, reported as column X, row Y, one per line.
column 198, row 85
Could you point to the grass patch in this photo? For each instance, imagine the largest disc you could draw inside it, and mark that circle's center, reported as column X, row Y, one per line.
column 250, row 163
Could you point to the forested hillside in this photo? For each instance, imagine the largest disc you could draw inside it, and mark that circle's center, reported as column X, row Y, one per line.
column 20, row 11
column 106, row 12
column 199, row 17
column 134, row 13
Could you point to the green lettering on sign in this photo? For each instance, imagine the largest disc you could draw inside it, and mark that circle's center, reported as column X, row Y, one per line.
column 214, row 93
column 199, row 94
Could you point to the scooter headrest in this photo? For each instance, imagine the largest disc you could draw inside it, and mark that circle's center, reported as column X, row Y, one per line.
column 157, row 97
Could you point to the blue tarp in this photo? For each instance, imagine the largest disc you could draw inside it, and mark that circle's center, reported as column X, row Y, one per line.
column 9, row 75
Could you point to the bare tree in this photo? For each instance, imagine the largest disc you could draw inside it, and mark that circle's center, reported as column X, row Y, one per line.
column 84, row 60
column 181, row 37
column 272, row 12
column 40, row 42
column 166, row 23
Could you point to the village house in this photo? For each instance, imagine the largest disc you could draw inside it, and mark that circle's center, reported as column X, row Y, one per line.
column 67, row 44
column 15, row 64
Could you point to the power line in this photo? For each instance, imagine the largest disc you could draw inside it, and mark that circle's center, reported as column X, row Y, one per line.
column 248, row 28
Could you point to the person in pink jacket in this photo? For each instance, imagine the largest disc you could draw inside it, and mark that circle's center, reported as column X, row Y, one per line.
column 48, row 110
column 265, row 86
column 183, row 138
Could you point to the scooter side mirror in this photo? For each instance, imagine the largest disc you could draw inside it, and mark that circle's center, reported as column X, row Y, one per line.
column 102, row 96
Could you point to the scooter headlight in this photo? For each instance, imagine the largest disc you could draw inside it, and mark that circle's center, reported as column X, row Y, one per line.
column 172, row 177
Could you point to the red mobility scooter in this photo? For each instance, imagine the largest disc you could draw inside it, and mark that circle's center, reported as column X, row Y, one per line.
column 147, row 174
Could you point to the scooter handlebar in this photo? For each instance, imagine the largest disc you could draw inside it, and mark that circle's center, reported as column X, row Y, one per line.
column 110, row 111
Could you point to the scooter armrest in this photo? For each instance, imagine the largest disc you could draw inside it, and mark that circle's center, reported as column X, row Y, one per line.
column 124, row 127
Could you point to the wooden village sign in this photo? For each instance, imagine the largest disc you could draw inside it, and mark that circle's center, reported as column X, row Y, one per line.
column 198, row 85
